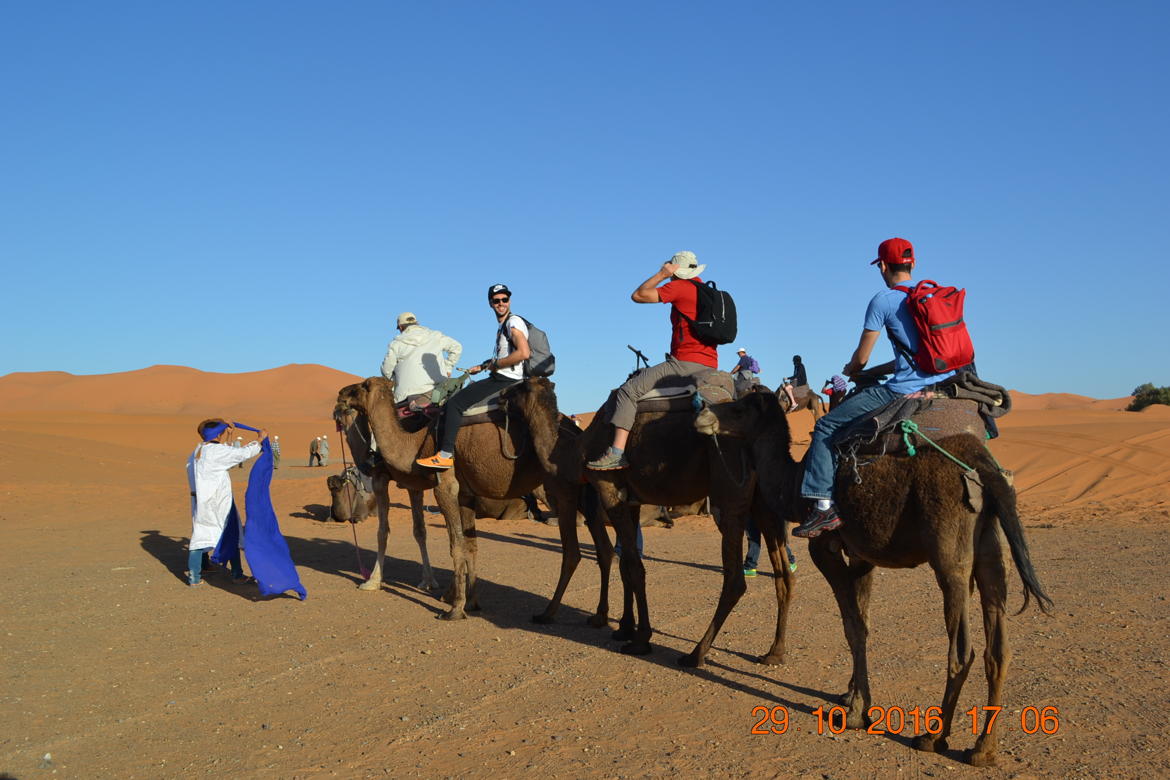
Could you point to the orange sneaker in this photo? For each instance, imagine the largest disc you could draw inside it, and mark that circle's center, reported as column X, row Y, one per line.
column 436, row 461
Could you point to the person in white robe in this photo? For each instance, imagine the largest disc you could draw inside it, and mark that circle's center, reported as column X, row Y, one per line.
column 211, row 492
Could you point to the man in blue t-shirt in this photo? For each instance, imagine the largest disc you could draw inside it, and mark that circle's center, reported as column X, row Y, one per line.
column 887, row 311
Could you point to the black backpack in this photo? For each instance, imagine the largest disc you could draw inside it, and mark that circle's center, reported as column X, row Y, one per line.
column 714, row 321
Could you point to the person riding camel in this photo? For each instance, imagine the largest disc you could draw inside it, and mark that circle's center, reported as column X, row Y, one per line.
column 507, row 369
column 745, row 373
column 799, row 378
column 418, row 358
column 688, row 356
column 886, row 311
column 835, row 389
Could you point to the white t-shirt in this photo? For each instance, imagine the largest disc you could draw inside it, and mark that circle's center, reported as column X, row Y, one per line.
column 504, row 347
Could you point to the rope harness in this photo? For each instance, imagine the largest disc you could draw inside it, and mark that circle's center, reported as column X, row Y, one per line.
column 909, row 430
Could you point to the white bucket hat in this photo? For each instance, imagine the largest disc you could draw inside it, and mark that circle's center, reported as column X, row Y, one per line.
column 741, row 349
column 688, row 265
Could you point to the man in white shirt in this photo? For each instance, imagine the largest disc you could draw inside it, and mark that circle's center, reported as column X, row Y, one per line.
column 418, row 358
column 507, row 369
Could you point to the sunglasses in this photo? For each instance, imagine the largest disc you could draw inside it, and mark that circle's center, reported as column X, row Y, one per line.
column 494, row 301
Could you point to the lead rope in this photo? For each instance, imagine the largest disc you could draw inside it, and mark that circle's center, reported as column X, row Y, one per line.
column 357, row 551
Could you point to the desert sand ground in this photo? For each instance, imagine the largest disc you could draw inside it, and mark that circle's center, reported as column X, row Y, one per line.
column 112, row 667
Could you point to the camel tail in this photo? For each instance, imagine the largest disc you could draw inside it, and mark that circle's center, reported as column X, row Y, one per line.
column 1003, row 498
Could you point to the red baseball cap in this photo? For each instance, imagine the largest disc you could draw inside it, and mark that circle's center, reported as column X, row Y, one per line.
column 895, row 251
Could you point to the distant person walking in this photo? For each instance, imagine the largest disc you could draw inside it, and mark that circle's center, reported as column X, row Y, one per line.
column 323, row 450
column 275, row 452
column 211, row 493
column 239, row 442
column 315, row 452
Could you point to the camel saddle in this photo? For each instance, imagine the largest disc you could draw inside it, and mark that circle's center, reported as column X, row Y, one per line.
column 937, row 417
column 677, row 393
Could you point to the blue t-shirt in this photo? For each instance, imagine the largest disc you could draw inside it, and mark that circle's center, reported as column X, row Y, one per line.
column 888, row 310
column 748, row 363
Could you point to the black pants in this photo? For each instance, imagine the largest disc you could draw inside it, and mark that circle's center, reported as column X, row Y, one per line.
column 465, row 399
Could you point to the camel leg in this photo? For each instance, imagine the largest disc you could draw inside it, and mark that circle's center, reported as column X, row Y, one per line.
column 382, row 495
column 420, row 535
column 991, row 576
column 471, row 549
column 595, row 522
column 566, row 509
column 731, row 528
column 636, row 634
column 851, row 583
column 782, row 578
column 954, row 578
column 447, row 495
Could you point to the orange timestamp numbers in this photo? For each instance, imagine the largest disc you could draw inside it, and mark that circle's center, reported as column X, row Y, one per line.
column 897, row 720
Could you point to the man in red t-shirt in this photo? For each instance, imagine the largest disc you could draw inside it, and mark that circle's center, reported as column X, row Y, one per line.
column 688, row 355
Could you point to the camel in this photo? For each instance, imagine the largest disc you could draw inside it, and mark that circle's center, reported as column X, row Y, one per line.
column 350, row 502
column 904, row 512
column 672, row 464
column 527, row 444
column 807, row 399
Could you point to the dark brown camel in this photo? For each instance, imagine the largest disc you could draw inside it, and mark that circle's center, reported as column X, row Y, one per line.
column 493, row 460
column 672, row 464
column 905, row 511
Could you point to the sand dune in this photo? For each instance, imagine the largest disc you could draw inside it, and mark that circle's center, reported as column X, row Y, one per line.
column 1067, row 450
column 298, row 390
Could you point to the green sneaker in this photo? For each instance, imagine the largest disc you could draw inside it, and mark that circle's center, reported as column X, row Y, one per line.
column 792, row 566
column 749, row 572
column 610, row 461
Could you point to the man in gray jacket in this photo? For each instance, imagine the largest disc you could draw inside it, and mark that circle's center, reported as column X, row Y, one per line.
column 418, row 358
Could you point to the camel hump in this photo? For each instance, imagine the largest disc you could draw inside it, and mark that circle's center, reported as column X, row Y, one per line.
column 940, row 418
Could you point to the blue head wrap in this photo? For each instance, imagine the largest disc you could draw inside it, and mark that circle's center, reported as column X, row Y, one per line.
column 212, row 433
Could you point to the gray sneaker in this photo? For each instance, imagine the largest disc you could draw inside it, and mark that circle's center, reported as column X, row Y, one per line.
column 610, row 461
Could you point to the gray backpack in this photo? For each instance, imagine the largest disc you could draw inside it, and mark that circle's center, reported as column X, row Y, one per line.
column 541, row 361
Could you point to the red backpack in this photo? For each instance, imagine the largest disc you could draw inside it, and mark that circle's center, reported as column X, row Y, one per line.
column 943, row 341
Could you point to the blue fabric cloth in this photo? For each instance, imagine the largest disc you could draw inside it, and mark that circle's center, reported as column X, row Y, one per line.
column 264, row 546
column 888, row 311
column 820, row 462
column 212, row 433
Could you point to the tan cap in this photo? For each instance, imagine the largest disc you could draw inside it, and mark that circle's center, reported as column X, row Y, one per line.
column 407, row 318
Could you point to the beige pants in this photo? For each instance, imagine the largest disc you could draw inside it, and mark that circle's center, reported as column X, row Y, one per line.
column 645, row 381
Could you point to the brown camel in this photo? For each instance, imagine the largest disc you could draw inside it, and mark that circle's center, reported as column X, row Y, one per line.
column 906, row 511
column 806, row 399
column 672, row 464
column 350, row 502
column 525, row 445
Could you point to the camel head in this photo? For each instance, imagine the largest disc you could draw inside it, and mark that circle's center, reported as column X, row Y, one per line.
column 754, row 416
column 361, row 397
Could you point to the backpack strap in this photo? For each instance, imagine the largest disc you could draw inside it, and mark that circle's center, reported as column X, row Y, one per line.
column 903, row 349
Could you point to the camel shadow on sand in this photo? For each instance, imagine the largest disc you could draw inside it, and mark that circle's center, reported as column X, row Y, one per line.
column 507, row 607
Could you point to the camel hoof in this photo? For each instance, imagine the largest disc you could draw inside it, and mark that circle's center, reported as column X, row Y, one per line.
column 929, row 743
column 370, row 585
column 690, row 661
column 975, row 758
column 597, row 621
column 428, row 585
column 622, row 634
column 858, row 720
column 772, row 659
column 637, row 648
column 455, row 614
column 543, row 619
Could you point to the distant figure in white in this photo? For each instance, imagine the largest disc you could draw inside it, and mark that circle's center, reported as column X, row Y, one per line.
column 323, row 450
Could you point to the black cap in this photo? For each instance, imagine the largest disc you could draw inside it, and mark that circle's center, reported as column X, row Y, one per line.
column 496, row 289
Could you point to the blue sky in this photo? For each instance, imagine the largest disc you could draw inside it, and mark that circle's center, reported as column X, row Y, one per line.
column 237, row 186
